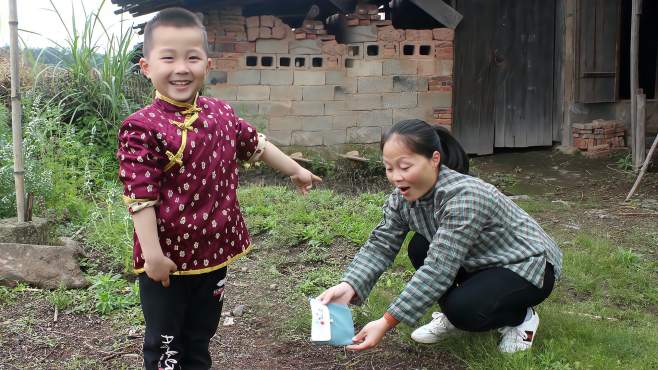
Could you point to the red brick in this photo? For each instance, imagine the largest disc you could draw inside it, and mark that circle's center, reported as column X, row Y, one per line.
column 279, row 32
column 253, row 33
column 444, row 53
column 245, row 47
column 266, row 21
column 253, row 21
column 265, row 32
column 300, row 36
column 443, row 34
column 225, row 64
column 364, row 22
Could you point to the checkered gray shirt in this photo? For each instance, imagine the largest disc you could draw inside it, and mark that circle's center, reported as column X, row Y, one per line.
column 470, row 224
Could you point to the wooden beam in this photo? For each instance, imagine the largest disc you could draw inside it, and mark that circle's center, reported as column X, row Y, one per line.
column 440, row 11
column 636, row 11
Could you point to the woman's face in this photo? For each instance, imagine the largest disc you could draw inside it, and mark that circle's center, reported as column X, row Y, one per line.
column 412, row 173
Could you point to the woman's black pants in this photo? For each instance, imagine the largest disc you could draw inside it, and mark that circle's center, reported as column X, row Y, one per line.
column 485, row 299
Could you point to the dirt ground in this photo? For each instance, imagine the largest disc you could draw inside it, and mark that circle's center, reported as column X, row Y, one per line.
column 591, row 190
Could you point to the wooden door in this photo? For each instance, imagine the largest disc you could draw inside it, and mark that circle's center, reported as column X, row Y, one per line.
column 504, row 74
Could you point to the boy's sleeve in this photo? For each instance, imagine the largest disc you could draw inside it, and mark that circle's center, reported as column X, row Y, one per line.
column 140, row 166
column 249, row 143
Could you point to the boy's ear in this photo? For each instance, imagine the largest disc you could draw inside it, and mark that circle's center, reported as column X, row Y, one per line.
column 144, row 66
column 209, row 65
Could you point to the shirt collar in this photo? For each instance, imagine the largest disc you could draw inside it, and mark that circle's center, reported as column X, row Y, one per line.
column 170, row 105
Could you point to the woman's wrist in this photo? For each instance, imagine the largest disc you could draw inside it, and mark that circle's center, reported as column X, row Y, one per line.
column 390, row 320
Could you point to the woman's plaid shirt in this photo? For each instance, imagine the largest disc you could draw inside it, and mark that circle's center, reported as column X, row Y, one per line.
column 470, row 224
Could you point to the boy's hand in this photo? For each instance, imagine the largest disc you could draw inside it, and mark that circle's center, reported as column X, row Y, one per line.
column 341, row 293
column 159, row 268
column 304, row 179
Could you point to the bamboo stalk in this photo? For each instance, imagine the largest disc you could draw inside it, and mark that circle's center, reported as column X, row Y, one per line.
column 16, row 113
column 644, row 168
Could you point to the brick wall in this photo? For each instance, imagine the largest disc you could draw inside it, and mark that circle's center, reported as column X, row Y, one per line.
column 311, row 90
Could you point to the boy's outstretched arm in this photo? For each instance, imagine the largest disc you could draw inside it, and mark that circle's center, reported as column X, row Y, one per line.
column 300, row 176
column 157, row 266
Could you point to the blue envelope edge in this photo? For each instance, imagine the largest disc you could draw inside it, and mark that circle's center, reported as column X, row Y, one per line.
column 342, row 325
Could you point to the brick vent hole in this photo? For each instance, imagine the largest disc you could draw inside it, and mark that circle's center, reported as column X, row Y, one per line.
column 300, row 62
column 425, row 50
column 408, row 49
column 372, row 50
column 284, row 62
column 252, row 61
column 316, row 62
column 353, row 50
column 267, row 61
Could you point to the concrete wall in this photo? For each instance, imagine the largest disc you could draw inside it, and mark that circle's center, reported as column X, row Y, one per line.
column 307, row 89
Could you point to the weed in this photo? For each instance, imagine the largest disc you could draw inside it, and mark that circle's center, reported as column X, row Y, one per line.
column 113, row 293
column 60, row 298
column 625, row 163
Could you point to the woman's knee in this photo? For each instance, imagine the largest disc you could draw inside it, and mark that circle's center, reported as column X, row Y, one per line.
column 464, row 314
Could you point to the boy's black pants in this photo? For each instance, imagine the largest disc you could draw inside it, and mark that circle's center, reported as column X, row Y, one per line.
column 485, row 299
column 181, row 320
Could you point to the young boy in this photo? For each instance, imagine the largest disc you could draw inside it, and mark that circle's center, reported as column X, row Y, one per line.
column 178, row 163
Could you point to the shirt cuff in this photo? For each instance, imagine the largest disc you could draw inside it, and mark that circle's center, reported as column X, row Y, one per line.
column 136, row 205
column 391, row 320
column 260, row 148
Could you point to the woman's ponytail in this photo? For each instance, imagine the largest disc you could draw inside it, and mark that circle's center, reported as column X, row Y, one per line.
column 453, row 155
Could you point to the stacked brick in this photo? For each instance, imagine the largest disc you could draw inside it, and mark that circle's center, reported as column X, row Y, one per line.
column 315, row 91
column 266, row 27
column 312, row 30
column 598, row 137
column 365, row 15
column 225, row 25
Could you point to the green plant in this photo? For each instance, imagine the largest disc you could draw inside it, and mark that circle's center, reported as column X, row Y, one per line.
column 60, row 298
column 113, row 293
column 625, row 163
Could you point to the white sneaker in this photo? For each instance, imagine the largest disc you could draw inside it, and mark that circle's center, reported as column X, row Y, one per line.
column 438, row 328
column 519, row 338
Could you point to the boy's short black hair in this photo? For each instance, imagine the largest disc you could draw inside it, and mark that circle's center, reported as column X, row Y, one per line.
column 174, row 17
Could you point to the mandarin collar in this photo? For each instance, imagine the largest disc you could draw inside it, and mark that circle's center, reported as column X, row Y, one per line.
column 170, row 105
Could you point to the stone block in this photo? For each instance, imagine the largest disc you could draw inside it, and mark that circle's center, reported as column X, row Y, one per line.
column 318, row 93
column 305, row 47
column 309, row 78
column 345, row 119
column 335, row 77
column 364, row 68
column 376, row 117
column 400, row 67
column 267, row 21
column 317, row 123
column 280, row 137
column 253, row 93
column 33, row 232
column 216, row 77
column 400, row 100
column 276, row 77
column 244, row 77
column 409, row 84
column 244, row 108
column 435, row 99
column 335, row 107
column 367, row 33
column 444, row 67
column 275, row 109
column 443, row 34
column 427, row 67
column 374, row 84
column 286, row 93
column 306, row 138
column 222, row 92
column 334, row 137
column 253, row 21
column 307, row 108
column 272, row 46
column 363, row 101
column 425, row 114
column 364, row 135
column 288, row 123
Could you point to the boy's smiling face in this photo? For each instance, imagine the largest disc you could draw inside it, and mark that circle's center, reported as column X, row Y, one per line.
column 177, row 63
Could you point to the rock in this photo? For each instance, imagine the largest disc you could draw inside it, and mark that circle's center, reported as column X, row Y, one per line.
column 238, row 310
column 244, row 269
column 44, row 266
column 131, row 356
column 569, row 150
column 33, row 232
column 229, row 321
column 272, row 286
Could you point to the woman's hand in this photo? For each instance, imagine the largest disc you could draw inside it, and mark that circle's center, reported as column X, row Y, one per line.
column 341, row 293
column 304, row 179
column 370, row 335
